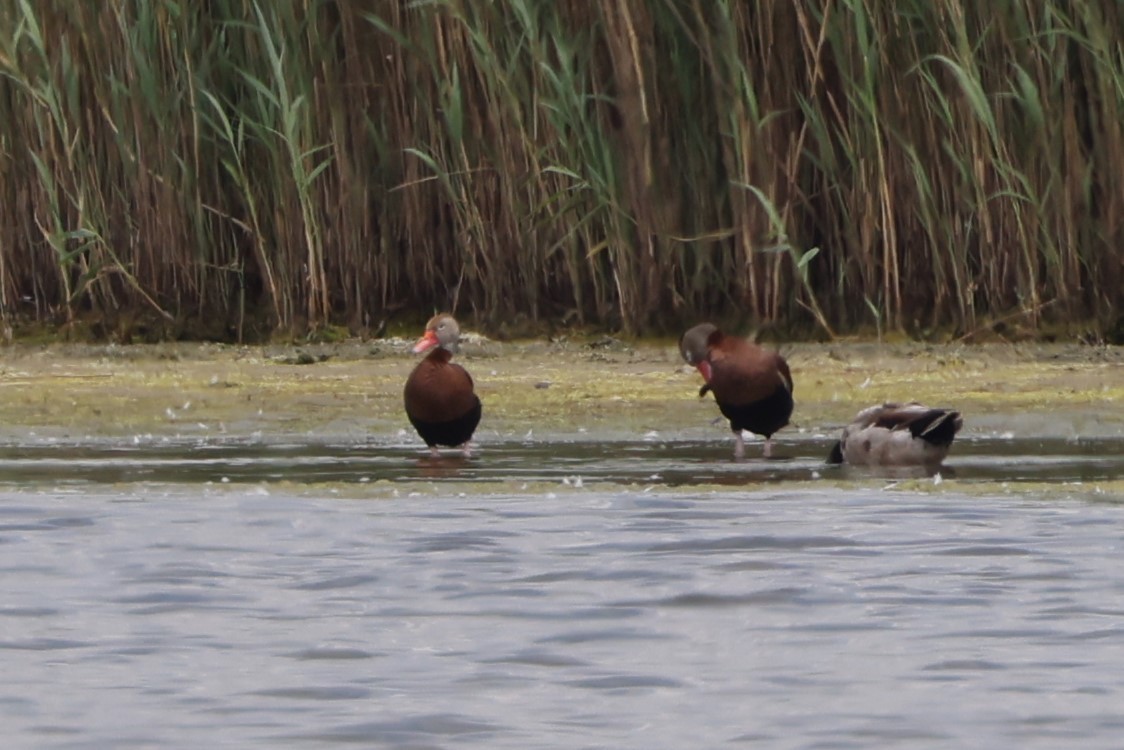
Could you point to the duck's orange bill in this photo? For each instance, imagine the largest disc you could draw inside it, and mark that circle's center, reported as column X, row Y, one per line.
column 426, row 342
column 704, row 370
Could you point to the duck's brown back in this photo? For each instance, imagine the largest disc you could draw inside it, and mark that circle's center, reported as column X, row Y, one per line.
column 743, row 372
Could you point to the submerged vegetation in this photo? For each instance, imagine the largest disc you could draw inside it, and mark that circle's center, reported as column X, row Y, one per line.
column 232, row 168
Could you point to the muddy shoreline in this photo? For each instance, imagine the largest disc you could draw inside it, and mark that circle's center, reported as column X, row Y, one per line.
column 604, row 389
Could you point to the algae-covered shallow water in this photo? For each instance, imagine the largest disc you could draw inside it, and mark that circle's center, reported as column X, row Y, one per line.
column 207, row 550
column 651, row 462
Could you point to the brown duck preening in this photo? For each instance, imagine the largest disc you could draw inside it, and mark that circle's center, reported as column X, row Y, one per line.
column 440, row 399
column 894, row 434
column 752, row 385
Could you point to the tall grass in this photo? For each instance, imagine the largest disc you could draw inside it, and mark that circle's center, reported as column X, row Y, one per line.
column 236, row 168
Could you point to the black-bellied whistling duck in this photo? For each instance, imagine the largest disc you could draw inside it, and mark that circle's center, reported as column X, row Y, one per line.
column 897, row 435
column 439, row 396
column 752, row 385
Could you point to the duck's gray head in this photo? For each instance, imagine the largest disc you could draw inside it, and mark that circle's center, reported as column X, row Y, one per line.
column 441, row 330
column 693, row 343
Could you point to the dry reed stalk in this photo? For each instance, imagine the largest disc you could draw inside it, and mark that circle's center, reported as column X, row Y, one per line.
column 830, row 165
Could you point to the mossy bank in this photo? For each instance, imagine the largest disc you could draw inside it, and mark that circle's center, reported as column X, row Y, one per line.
column 606, row 388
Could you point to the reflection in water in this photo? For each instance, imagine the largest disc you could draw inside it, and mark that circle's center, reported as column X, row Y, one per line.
column 682, row 463
column 442, row 466
column 944, row 471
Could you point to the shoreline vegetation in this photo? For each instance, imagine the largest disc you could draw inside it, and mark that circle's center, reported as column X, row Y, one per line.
column 605, row 387
column 248, row 171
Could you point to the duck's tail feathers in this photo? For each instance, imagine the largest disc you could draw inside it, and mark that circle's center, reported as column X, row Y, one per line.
column 936, row 426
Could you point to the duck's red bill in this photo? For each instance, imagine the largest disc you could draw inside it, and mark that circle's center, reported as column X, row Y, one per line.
column 426, row 342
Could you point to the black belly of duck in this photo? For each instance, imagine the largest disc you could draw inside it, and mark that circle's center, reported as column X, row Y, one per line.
column 452, row 432
column 762, row 417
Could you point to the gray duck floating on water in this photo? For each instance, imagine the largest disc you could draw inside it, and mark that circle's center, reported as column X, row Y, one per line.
column 897, row 435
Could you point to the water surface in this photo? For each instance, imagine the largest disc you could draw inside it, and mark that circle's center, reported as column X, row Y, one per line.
column 652, row 461
column 569, row 594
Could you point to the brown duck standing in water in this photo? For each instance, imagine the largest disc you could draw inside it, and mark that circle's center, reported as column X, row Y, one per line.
column 752, row 385
column 897, row 435
column 440, row 400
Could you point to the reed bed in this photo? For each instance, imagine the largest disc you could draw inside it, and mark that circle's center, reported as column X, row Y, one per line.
column 237, row 168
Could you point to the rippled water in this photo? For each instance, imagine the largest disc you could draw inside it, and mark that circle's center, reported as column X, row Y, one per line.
column 651, row 462
column 571, row 595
